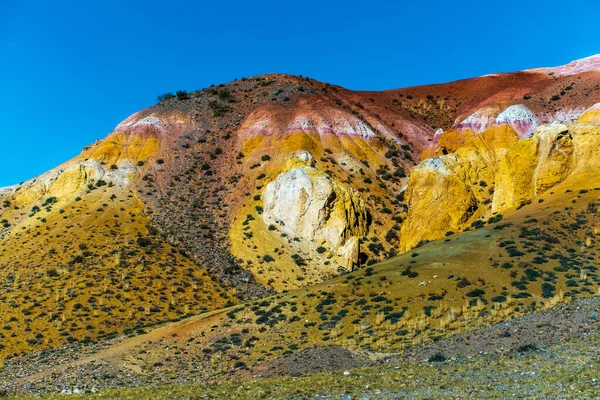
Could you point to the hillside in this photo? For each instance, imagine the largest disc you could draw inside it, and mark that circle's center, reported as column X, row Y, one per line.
column 257, row 194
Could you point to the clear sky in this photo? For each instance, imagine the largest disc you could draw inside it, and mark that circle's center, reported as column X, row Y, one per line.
column 70, row 71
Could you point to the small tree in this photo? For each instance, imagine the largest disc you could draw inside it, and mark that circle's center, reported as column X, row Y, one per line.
column 182, row 95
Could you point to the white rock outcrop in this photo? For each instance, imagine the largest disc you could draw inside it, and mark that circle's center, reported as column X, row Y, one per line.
column 309, row 205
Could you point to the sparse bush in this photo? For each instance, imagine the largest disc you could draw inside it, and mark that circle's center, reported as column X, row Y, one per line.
column 182, row 95
column 527, row 347
column 437, row 357
column 476, row 293
column 164, row 97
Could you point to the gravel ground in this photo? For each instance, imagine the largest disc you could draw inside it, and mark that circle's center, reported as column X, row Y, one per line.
column 542, row 329
column 313, row 359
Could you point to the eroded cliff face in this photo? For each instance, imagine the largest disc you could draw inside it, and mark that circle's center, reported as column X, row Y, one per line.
column 558, row 153
column 323, row 217
column 497, row 170
column 447, row 192
column 533, row 166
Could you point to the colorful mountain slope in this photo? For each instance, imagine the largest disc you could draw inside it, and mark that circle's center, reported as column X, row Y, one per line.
column 278, row 182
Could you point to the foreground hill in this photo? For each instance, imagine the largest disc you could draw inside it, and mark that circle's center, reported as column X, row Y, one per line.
column 279, row 183
column 548, row 354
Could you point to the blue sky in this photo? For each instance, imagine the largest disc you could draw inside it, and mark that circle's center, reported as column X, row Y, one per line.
column 72, row 70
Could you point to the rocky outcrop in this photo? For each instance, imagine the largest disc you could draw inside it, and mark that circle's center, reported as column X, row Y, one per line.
column 533, row 166
column 446, row 192
column 319, row 211
column 555, row 154
column 72, row 179
column 519, row 118
column 495, row 171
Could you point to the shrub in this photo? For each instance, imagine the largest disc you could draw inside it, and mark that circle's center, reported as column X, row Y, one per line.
column 547, row 290
column 499, row 299
column 427, row 310
column 298, row 259
column 539, row 260
column 225, row 93
column 268, row 258
column 477, row 224
column 572, row 283
column 507, row 265
column 437, row 357
column 143, row 242
column 463, row 283
column 240, row 365
column 514, row 252
column 49, row 201
column 219, row 109
column 495, row 218
column 391, row 236
column 375, row 248
column 532, row 274
column 164, row 97
column 182, row 95
column 321, row 249
column 410, row 273
column 400, row 172
column 527, row 347
column 476, row 293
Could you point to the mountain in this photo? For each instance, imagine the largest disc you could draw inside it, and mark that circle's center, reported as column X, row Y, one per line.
column 270, row 200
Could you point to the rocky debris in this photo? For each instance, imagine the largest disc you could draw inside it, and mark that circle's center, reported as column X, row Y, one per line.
column 541, row 329
column 312, row 359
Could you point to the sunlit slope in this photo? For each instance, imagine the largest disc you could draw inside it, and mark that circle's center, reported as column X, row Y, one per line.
column 537, row 256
